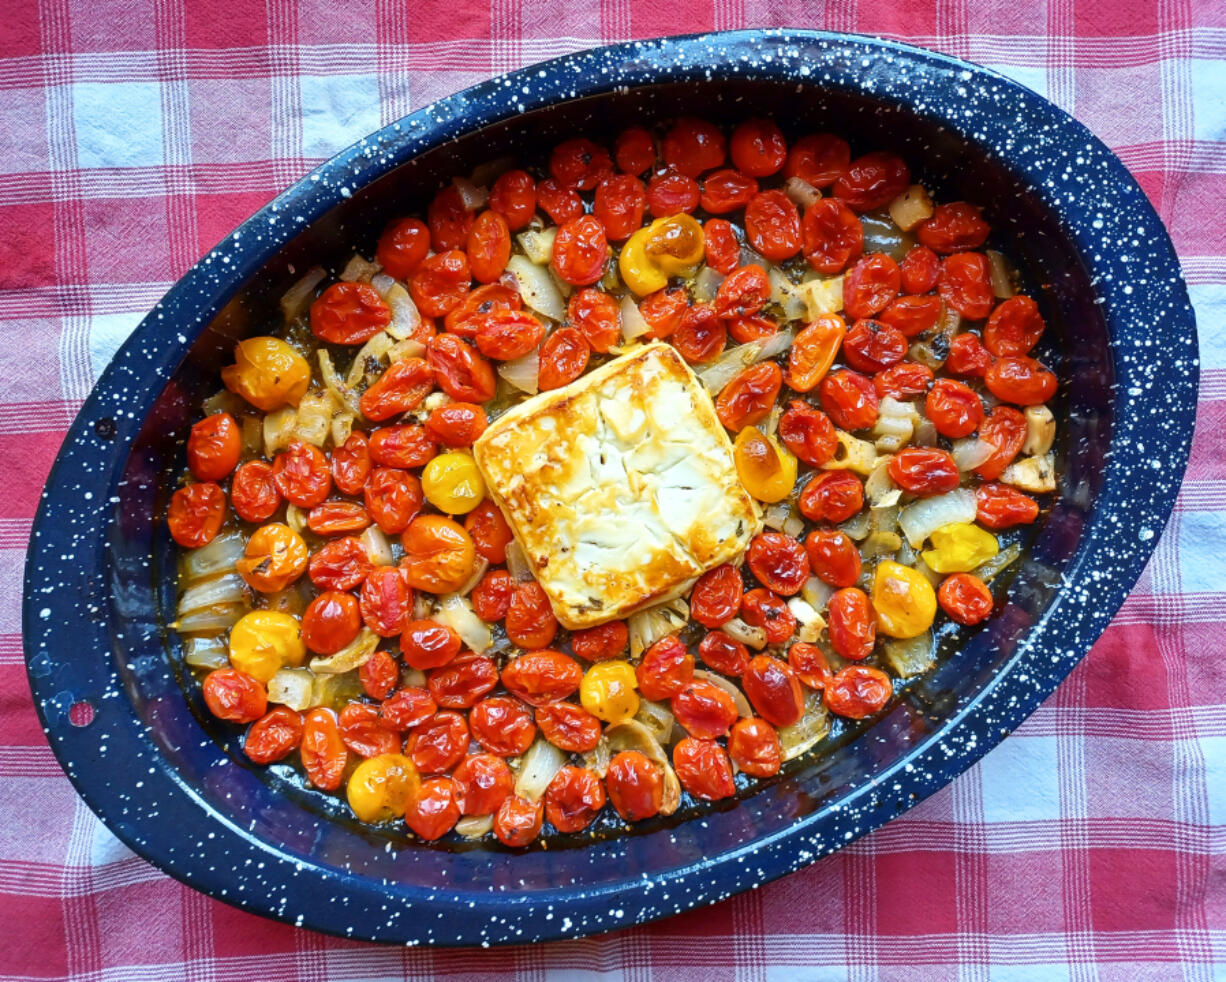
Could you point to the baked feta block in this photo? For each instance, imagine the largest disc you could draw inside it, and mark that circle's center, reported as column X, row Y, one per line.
column 620, row 487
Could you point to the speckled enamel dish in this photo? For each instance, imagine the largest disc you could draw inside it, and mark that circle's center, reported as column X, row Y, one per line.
column 106, row 673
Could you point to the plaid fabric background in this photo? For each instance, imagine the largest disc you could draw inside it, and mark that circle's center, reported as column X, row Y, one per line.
column 136, row 133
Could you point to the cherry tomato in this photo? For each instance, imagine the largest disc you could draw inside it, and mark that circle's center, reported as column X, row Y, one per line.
column 754, row 747
column 748, row 398
column 253, row 492
column 858, row 691
column 601, row 643
column 402, row 246
column 482, row 783
column 401, row 446
column 833, row 236
column 460, row 372
column 809, row 663
column 953, row 227
column 492, row 596
column 663, row 310
column 872, row 181
column 634, row 150
column 489, row 530
column 439, row 743
column 619, row 204
column 872, row 346
column 1005, row 429
column 393, row 497
column 851, row 623
column 195, row 514
column 349, row 313
column 302, row 475
column 966, row 284
column 439, row 554
column 213, row 447
column 701, row 335
column 869, row 286
column 778, row 561
column 457, row 424
column 808, row 433
column 488, row 246
column 399, row 389
column 1020, row 380
column 274, row 558
column 563, row 358
column 920, row 269
column 1014, row 327
column 580, row 250
column 814, row 350
column 716, row 597
column 672, row 194
column 502, row 725
column 596, row 315
column 703, row 769
column 322, row 750
column 833, row 496
column 773, row 690
column 723, row 250
column 363, row 733
column 431, row 811
column 999, row 506
column 745, row 292
column 448, row 219
column 465, row 317
column 407, row 708
column 704, row 709
column 274, row 736
column 965, row 598
column 530, row 622
column 463, row 682
column 757, row 147
column 427, row 644
column 379, row 674
column 440, row 282
column 761, row 608
column 635, row 786
column 513, row 196
column 665, row 669
column 330, row 622
column 907, row 378
column 507, row 334
column 561, row 204
column 913, row 315
column 722, row 653
column 340, row 565
column 568, row 727
column 752, row 328
column 968, row 356
column 692, row 146
column 924, row 470
column 386, row 601
column 234, row 696
column 727, row 190
column 818, row 159
column 337, row 518
column 955, row 409
column 772, row 225
column 573, row 799
column 850, row 399
column 518, row 821
column 540, row 677
column 579, row 163
column 833, row 557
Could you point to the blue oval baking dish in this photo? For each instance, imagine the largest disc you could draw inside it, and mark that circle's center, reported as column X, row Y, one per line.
column 99, row 577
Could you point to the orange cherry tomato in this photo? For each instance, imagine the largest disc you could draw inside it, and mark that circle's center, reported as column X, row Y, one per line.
column 379, row 674
column 363, row 732
column 772, row 225
column 663, row 310
column 953, row 227
column 813, row 351
column 428, row 644
column 665, row 669
column 330, row 622
column 722, row 653
column 968, row 356
column 619, row 204
column 401, row 446
column 349, row 313
column 431, row 811
column 518, row 821
column 818, row 159
column 253, row 492
column 635, row 786
column 1020, row 380
column 502, row 725
column 833, row 557
column 596, row 315
column 573, row 799
column 920, row 269
column 541, row 677
column 999, row 506
column 808, row 433
column 274, row 736
column 754, row 747
column 907, row 378
column 954, row 408
column 341, row 564
column 579, row 163
column 635, row 150
column 832, row 236
column 337, row 518
column 704, row 709
column 234, row 696
column 701, row 335
column 703, row 769
column 482, row 783
column 1005, row 429
column 563, row 358
column 748, row 398
column 601, row 643
column 302, row 474
column 912, row 315
column 322, row 750
column 692, row 146
column 872, row 181
column 858, row 691
column 851, row 623
column 833, row 496
column 723, row 250
column 716, row 597
column 440, row 282
column 809, row 663
column 924, row 470
column 561, row 204
column 778, row 561
column 850, row 399
column 393, row 497
column 568, row 727
column 463, row 682
column 213, row 447
column 400, row 388
column 195, row 514
column 488, row 246
column 965, row 598
column 506, row 334
column 407, row 708
column 492, row 596
column 873, row 346
column 489, row 530
column 966, row 284
column 439, row 554
column 773, row 690
column 758, row 148
column 402, row 246
column 727, row 190
column 869, row 286
column 459, row 370
column 580, row 250
column 438, row 744
column 761, row 608
column 513, row 196
column 464, row 318
column 274, row 558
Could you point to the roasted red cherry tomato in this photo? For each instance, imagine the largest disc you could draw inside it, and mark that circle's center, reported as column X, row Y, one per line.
column 703, row 769
column 851, row 623
column 772, row 225
column 873, row 346
column 761, row 608
column 754, row 747
column 399, row 389
column 541, row 677
column 869, row 286
column 872, row 181
column 832, row 496
column 213, row 447
column 513, row 196
column 858, row 691
column 818, row 159
column 704, row 709
column 954, row 408
column 482, row 782
column 999, row 506
column 620, row 203
column 954, row 227
column 502, row 725
column 692, row 146
column 833, row 236
column 274, row 736
column 580, row 250
column 773, row 690
column 635, row 786
column 349, row 313
column 428, row 644
column 716, row 597
column 489, row 531
column 757, row 147
column 833, row 557
column 195, row 514
column 850, row 399
column 432, row 810
column 924, row 470
column 1020, row 380
column 564, row 356
column 965, row 598
column 402, row 247
column 568, row 727
column 727, row 190
column 748, row 398
column 723, row 654
column 253, row 492
column 573, row 799
column 966, row 284
column 595, row 314
column 601, row 643
column 665, row 669
column 530, row 621
column 330, row 622
column 234, row 696
column 778, row 561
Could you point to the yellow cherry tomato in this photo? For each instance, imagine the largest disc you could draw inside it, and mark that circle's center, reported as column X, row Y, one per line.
column 380, row 787
column 264, row 641
column 667, row 247
column 268, row 373
column 275, row 556
column 960, row 547
column 452, row 483
column 607, row 691
column 904, row 600
column 767, row 470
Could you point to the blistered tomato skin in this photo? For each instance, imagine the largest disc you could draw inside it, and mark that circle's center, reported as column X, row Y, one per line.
column 754, row 747
column 773, row 690
column 349, row 313
column 635, row 786
column 234, row 696
column 439, row 554
column 808, row 433
column 858, row 691
column 779, row 562
column 850, row 399
column 924, row 470
column 666, row 668
column 834, row 557
column 268, row 373
column 748, row 398
column 818, row 159
column 851, row 624
column 518, row 821
column 253, row 493
column 213, row 447
column 274, row 736
column 965, row 598
column 573, row 800
column 703, row 769
column 704, row 709
column 428, row 644
column 483, row 782
column 761, row 608
column 723, row 654
column 196, row 513
column 568, row 727
column 330, row 622
column 716, row 597
column 431, row 811
column 274, row 558
column 530, row 621
column 999, row 506
column 832, row 496
column 541, row 677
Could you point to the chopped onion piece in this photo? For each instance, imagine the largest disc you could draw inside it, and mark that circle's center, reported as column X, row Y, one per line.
column 997, row 564
column 925, row 433
column 408, row 348
column 253, row 435
column 517, row 562
column 406, row 318
column 473, row 197
column 706, row 284
column 210, row 653
column 735, row 360
column 224, row 401
column 1001, row 274
column 852, row 454
column 802, row 193
column 332, row 382
column 474, row 826
column 480, row 567
column 228, row 588
column 378, row 549
column 209, row 620
column 298, row 297
column 742, row 704
column 1040, row 431
column 485, row 174
column 809, row 729
column 538, row 288
column 880, row 543
column 816, row 593
column 359, row 270
column 751, row 257
column 785, row 293
column 630, row 734
column 538, row 244
column 292, row 600
column 523, row 373
column 292, row 687
column 597, row 759
column 810, row 621
column 911, row 207
column 354, row 655
column 457, row 613
column 970, row 452
column 648, row 626
column 220, row 554
column 342, row 427
column 857, row 526
column 822, row 296
column 908, row 657
column 657, row 718
column 1034, row 474
column 279, row 430
column 738, row 630
column 368, row 360
column 634, row 325
column 296, row 518
column 793, row 526
column 336, row 690
column 775, row 515
column 412, row 677
column 540, row 764
column 921, row 518
column 880, row 487
column 313, row 422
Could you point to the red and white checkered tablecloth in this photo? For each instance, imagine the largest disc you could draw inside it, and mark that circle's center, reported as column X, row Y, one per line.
column 1090, row 845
